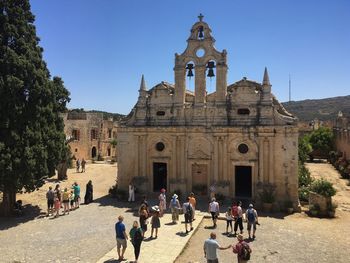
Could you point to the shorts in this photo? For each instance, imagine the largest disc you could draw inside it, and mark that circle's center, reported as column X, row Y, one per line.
column 121, row 243
column 188, row 218
column 250, row 224
column 214, row 215
column 65, row 201
column 71, row 202
column 76, row 198
column 50, row 204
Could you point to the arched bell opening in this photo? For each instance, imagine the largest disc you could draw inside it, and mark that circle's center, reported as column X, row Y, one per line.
column 190, row 76
column 200, row 33
column 210, row 74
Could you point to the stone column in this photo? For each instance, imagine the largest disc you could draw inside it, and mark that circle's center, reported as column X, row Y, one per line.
column 271, row 160
column 180, row 85
column 266, row 161
column 221, row 83
column 261, row 160
column 200, row 89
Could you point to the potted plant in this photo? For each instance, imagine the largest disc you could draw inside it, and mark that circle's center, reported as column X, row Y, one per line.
column 267, row 197
column 332, row 206
column 314, row 209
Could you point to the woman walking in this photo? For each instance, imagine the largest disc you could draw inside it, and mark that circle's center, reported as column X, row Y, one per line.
column 175, row 207
column 143, row 219
column 162, row 202
column 155, row 222
column 136, row 237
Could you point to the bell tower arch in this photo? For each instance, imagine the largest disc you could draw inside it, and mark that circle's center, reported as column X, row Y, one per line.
column 201, row 51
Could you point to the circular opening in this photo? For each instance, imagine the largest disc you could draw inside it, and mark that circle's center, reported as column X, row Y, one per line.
column 160, row 146
column 200, row 52
column 243, row 148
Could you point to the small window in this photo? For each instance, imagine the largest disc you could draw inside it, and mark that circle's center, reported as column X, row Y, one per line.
column 160, row 113
column 76, row 149
column 109, row 151
column 243, row 148
column 76, row 134
column 109, row 133
column 160, row 146
column 243, row 111
column 94, row 134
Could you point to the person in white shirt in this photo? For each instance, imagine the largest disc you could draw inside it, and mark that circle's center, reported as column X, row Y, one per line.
column 214, row 210
column 229, row 219
column 131, row 192
column 239, row 219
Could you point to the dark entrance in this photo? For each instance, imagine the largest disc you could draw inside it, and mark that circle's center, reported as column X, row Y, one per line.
column 243, row 179
column 93, row 152
column 159, row 176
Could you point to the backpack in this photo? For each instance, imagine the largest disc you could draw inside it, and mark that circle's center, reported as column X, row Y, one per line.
column 173, row 202
column 251, row 215
column 235, row 211
column 245, row 251
column 189, row 209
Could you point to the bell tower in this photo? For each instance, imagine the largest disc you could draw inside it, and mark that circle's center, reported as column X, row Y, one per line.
column 199, row 59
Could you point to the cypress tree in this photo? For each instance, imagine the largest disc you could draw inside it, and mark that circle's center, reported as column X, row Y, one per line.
column 32, row 141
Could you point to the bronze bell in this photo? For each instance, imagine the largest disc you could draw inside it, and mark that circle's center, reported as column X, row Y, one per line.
column 210, row 66
column 189, row 67
column 200, row 32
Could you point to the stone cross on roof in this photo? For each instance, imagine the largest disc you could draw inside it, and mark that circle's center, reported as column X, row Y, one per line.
column 200, row 17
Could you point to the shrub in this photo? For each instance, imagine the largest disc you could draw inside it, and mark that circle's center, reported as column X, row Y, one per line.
column 268, row 194
column 304, row 175
column 117, row 193
column 220, row 197
column 323, row 187
column 303, row 193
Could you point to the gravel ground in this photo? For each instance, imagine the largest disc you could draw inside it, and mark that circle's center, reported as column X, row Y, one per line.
column 293, row 238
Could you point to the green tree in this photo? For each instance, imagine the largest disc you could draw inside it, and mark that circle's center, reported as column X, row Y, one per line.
column 32, row 141
column 304, row 149
column 322, row 139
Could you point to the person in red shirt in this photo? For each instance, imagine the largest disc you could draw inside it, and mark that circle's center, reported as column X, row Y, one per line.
column 242, row 249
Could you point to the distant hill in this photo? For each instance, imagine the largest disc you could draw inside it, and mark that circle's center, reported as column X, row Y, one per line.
column 106, row 115
column 322, row 109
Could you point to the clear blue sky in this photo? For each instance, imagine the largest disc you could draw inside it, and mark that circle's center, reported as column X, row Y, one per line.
column 101, row 47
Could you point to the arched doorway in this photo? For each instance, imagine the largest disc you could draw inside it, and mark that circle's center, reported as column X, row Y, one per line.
column 93, row 152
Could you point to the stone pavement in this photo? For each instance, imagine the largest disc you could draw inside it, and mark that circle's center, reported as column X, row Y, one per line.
column 170, row 242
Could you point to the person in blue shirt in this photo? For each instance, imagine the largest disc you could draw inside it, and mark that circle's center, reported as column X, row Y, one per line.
column 121, row 237
column 210, row 247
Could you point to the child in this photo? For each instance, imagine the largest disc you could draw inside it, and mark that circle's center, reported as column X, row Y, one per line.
column 229, row 219
column 71, row 200
column 155, row 222
column 66, row 197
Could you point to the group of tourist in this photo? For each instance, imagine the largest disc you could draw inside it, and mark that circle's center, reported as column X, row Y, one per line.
column 81, row 164
column 68, row 199
column 151, row 215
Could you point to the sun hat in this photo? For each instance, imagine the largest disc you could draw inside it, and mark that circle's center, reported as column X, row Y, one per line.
column 240, row 237
column 250, row 205
column 175, row 196
column 155, row 208
column 162, row 190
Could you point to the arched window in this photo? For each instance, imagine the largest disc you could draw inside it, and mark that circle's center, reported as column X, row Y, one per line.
column 190, row 75
column 211, row 76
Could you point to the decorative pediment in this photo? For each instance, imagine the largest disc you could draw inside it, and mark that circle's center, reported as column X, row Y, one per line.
column 199, row 154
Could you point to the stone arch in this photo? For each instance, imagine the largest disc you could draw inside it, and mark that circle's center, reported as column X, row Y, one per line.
column 200, row 148
column 252, row 149
column 151, row 146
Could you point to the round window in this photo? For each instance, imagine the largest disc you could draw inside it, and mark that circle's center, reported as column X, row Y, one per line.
column 200, row 52
column 243, row 148
column 160, row 146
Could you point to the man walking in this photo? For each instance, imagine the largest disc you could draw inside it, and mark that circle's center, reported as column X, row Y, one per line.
column 242, row 249
column 83, row 163
column 193, row 202
column 188, row 210
column 77, row 163
column 214, row 210
column 252, row 220
column 210, row 247
column 121, row 237
column 239, row 219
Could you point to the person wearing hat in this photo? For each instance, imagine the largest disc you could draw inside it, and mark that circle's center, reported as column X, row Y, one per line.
column 252, row 220
column 162, row 202
column 155, row 222
column 242, row 249
column 174, row 207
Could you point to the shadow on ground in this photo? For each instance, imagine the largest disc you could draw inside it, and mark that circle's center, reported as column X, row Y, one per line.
column 29, row 213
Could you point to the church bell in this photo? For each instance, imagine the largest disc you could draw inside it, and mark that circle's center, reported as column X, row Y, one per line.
column 189, row 67
column 210, row 66
column 200, row 33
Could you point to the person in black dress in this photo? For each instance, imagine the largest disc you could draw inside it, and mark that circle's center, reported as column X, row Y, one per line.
column 88, row 193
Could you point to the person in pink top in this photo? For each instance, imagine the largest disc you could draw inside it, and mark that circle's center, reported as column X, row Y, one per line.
column 162, row 202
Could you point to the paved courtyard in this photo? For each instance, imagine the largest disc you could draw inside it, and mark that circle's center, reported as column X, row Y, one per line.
column 87, row 234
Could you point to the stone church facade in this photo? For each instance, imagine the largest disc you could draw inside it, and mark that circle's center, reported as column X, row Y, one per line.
column 238, row 138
